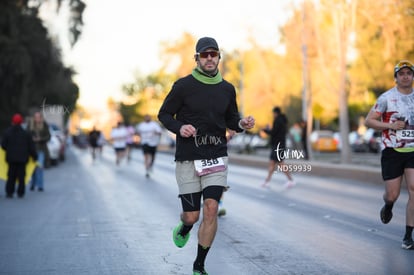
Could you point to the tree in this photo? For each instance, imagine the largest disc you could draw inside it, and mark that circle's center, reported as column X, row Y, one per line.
column 178, row 56
column 146, row 94
column 259, row 76
column 31, row 69
column 385, row 35
column 351, row 48
column 76, row 7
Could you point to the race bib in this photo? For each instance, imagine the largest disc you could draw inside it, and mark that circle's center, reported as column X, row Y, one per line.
column 208, row 166
column 405, row 134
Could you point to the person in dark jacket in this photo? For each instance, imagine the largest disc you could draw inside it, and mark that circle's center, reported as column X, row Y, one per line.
column 94, row 137
column 278, row 144
column 19, row 146
column 304, row 138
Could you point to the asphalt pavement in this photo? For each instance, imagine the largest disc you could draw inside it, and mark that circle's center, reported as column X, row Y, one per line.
column 97, row 218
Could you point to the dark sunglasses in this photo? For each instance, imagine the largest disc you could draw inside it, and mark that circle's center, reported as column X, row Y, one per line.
column 206, row 54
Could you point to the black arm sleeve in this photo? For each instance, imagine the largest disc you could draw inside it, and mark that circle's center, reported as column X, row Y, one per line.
column 233, row 115
column 169, row 109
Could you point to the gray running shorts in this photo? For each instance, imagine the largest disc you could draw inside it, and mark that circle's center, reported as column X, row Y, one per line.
column 189, row 182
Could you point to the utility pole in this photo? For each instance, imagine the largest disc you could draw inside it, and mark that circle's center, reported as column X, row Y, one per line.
column 241, row 84
column 343, row 24
column 306, row 95
column 238, row 57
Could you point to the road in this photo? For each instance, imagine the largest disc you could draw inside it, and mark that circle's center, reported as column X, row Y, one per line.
column 96, row 218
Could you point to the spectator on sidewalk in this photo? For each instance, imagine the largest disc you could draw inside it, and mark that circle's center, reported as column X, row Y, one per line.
column 304, row 138
column 39, row 130
column 19, row 146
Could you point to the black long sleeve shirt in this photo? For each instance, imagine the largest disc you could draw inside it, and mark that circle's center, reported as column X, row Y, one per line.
column 210, row 108
column 18, row 145
column 278, row 132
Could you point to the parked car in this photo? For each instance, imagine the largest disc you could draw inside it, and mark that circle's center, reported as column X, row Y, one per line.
column 323, row 141
column 57, row 132
column 246, row 143
column 372, row 139
column 357, row 142
column 238, row 143
column 54, row 149
column 257, row 142
column 338, row 140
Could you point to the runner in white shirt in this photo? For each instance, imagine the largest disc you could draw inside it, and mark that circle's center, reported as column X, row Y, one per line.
column 393, row 113
column 150, row 132
column 119, row 136
column 130, row 141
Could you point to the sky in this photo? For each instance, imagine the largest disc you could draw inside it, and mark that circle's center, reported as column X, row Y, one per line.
column 123, row 36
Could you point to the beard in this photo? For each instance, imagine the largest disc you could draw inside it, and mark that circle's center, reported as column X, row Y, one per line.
column 209, row 68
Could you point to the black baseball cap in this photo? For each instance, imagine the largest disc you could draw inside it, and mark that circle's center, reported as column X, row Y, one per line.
column 205, row 43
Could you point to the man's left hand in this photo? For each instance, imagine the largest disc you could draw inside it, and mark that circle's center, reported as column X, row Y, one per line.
column 247, row 122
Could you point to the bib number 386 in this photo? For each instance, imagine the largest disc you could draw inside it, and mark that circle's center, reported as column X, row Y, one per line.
column 208, row 166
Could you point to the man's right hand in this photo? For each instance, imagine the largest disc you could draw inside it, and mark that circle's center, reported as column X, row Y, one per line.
column 188, row 130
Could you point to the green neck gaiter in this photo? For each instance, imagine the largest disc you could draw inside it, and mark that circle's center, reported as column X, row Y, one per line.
column 206, row 79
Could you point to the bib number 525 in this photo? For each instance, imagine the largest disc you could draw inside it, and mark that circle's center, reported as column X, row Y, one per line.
column 405, row 134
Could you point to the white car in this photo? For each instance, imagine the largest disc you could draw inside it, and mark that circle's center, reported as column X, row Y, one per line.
column 57, row 132
column 54, row 148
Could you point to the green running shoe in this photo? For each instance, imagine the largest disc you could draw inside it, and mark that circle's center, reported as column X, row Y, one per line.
column 179, row 240
column 221, row 212
column 198, row 269
column 199, row 272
